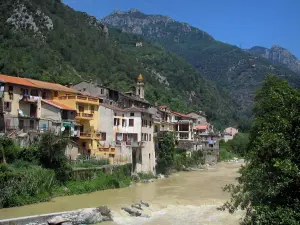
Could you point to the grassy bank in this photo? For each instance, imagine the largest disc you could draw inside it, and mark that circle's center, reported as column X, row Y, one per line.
column 41, row 172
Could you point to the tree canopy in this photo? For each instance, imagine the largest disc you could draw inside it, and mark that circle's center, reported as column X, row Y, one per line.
column 269, row 184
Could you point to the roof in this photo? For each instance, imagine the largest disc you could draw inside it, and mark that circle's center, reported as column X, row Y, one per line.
column 58, row 105
column 163, row 107
column 36, row 83
column 136, row 109
column 51, row 86
column 112, row 107
column 140, row 77
column 181, row 115
column 16, row 80
column 201, row 127
column 135, row 98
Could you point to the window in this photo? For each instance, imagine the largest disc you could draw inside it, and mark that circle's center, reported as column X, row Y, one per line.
column 7, row 106
column 21, row 124
column 135, row 137
column 55, row 94
column 31, row 124
column 34, row 92
column 81, row 108
column 131, row 122
column 123, row 123
column 24, row 92
column 11, row 96
column 122, row 115
column 101, row 100
column 131, row 114
column 149, row 137
column 103, row 136
column 115, row 114
column 116, row 121
column 10, row 88
column 92, row 109
column 102, row 91
column 150, row 123
column 44, row 95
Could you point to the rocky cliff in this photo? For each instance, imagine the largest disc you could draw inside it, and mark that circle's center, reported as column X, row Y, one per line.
column 278, row 55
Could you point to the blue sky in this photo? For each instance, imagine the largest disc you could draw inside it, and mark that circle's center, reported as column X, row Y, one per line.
column 239, row 22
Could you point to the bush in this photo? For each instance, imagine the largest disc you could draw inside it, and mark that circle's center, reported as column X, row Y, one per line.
column 52, row 155
column 19, row 187
column 8, row 150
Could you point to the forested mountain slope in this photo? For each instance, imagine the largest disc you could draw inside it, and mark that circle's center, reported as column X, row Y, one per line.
column 234, row 70
column 48, row 40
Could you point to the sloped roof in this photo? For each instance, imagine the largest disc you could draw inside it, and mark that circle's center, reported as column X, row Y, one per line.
column 181, row 115
column 201, row 127
column 51, row 86
column 58, row 105
column 16, row 80
column 112, row 107
column 36, row 83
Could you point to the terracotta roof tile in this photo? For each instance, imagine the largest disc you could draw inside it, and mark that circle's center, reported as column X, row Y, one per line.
column 201, row 127
column 58, row 105
column 36, row 83
column 51, row 86
column 16, row 80
column 181, row 115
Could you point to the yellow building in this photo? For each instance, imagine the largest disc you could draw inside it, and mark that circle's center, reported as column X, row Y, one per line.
column 87, row 119
column 21, row 99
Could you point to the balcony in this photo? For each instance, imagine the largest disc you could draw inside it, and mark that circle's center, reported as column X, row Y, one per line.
column 84, row 116
column 89, row 135
column 79, row 98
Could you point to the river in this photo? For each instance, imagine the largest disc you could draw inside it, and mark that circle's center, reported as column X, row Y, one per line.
column 183, row 198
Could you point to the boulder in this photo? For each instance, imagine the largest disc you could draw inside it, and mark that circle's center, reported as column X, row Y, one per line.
column 144, row 203
column 106, row 213
column 134, row 212
column 89, row 216
column 137, row 206
column 58, row 220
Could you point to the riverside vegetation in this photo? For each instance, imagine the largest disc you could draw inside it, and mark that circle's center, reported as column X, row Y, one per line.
column 42, row 171
column 268, row 188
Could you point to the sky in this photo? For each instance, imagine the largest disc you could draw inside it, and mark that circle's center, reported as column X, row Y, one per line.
column 244, row 23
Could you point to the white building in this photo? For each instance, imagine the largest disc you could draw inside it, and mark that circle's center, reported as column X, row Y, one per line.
column 229, row 133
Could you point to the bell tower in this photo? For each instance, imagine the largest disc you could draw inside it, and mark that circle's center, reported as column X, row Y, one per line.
column 140, row 89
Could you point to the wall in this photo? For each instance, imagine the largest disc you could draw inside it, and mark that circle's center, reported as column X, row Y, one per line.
column 50, row 112
column 148, row 152
column 92, row 88
column 106, row 124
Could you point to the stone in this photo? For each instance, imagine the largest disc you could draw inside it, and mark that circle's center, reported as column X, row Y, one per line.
column 137, row 206
column 144, row 203
column 106, row 213
column 57, row 220
column 131, row 211
column 89, row 216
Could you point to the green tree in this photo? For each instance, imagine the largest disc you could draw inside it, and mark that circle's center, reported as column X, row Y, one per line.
column 165, row 153
column 269, row 186
column 52, row 155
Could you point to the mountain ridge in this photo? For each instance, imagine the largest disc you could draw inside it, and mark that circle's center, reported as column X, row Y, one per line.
column 233, row 70
column 50, row 41
column 277, row 55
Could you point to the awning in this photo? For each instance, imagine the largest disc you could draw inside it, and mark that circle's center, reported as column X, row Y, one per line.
column 67, row 124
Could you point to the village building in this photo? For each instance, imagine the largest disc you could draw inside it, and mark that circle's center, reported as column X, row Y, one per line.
column 126, row 122
column 21, row 101
column 229, row 133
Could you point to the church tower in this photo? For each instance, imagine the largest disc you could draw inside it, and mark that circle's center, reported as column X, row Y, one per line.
column 140, row 89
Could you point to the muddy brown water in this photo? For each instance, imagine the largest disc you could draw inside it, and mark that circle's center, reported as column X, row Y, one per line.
column 184, row 198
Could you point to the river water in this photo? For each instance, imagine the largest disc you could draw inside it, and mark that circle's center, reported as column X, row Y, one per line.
column 184, row 198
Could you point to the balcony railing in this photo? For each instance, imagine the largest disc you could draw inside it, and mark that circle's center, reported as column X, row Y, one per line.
column 90, row 135
column 84, row 115
column 79, row 98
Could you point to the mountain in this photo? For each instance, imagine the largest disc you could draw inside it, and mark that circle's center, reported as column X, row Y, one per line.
column 277, row 55
column 235, row 71
column 50, row 41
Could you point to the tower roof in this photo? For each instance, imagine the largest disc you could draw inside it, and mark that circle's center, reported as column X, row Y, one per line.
column 140, row 77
